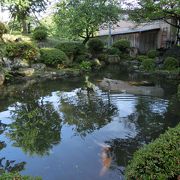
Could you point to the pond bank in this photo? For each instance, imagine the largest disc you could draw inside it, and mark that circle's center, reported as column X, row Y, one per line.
column 133, row 66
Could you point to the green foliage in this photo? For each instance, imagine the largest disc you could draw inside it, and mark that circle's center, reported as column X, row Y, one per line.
column 72, row 49
column 3, row 29
column 162, row 9
column 2, row 49
column 83, row 18
column 170, row 63
column 159, row 159
column 95, row 46
column 141, row 58
column 152, row 54
column 53, row 56
column 178, row 92
column 148, row 65
column 103, row 57
column 23, row 50
column 122, row 45
column 16, row 176
column 173, row 52
column 113, row 51
column 40, row 33
column 85, row 66
column 21, row 10
column 80, row 58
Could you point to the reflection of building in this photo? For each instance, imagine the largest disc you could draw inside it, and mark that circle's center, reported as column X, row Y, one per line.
column 145, row 36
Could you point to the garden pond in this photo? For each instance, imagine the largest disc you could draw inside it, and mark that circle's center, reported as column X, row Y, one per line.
column 58, row 130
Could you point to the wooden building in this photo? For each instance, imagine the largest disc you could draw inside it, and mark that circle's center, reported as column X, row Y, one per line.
column 145, row 36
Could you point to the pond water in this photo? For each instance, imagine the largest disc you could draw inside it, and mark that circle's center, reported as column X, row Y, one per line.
column 57, row 130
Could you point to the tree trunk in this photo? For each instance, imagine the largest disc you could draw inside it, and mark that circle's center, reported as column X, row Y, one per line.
column 24, row 27
column 86, row 40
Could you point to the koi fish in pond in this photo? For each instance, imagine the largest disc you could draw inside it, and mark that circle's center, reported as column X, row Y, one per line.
column 106, row 158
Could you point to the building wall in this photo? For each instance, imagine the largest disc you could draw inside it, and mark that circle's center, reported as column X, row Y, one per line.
column 146, row 36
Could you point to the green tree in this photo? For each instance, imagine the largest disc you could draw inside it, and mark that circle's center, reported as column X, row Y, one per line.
column 166, row 10
column 82, row 18
column 22, row 9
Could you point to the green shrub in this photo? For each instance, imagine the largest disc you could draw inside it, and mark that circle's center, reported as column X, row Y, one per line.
column 3, row 29
column 178, row 92
column 40, row 33
column 148, row 65
column 86, row 66
column 95, row 46
column 103, row 57
column 2, row 49
column 16, row 176
column 141, row 58
column 80, row 58
column 152, row 54
column 173, row 52
column 170, row 63
column 72, row 49
column 123, row 45
column 158, row 160
column 53, row 56
column 23, row 50
column 113, row 51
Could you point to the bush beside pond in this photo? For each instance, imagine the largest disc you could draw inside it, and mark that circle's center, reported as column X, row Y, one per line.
column 123, row 45
column 148, row 64
column 40, row 33
column 95, row 46
column 23, row 50
column 53, row 56
column 170, row 63
column 158, row 160
column 152, row 54
column 72, row 49
column 113, row 51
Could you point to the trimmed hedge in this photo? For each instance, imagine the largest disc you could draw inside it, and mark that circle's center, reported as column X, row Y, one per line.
column 95, row 46
column 152, row 54
column 122, row 45
column 53, row 56
column 141, row 58
column 40, row 33
column 170, row 63
column 113, row 51
column 23, row 50
column 158, row 160
column 72, row 49
column 148, row 64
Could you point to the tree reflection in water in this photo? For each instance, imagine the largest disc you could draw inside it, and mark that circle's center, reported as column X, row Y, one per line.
column 150, row 117
column 8, row 165
column 36, row 126
column 88, row 111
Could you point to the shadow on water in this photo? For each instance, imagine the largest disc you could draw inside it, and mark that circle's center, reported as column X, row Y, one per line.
column 62, row 131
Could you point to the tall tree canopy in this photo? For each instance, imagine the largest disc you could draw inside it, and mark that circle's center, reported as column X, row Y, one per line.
column 82, row 18
column 21, row 9
column 167, row 10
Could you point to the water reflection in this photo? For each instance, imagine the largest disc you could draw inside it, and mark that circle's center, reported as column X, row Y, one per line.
column 60, row 125
column 86, row 111
column 36, row 126
column 8, row 165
